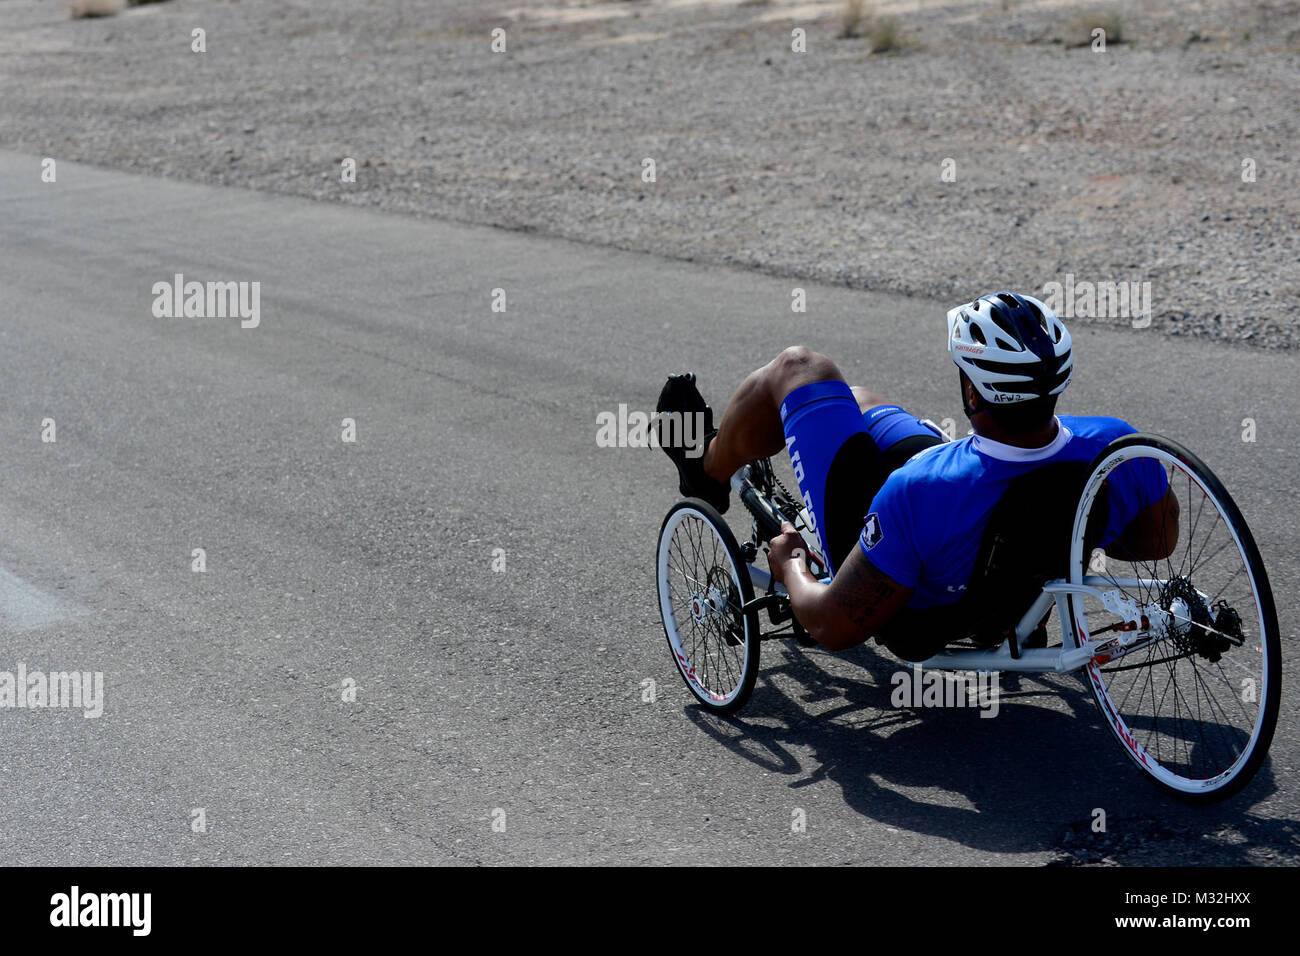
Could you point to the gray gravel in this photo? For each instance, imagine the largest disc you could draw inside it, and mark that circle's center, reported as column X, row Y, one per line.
column 1116, row 166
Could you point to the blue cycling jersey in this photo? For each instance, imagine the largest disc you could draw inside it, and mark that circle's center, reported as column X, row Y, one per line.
column 926, row 522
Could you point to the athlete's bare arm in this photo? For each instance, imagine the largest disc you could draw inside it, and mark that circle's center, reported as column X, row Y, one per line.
column 857, row 603
column 1152, row 535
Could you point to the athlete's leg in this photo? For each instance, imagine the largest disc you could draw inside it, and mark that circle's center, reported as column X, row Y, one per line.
column 751, row 426
column 866, row 398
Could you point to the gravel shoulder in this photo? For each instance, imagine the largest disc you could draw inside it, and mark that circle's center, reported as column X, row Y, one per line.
column 1071, row 166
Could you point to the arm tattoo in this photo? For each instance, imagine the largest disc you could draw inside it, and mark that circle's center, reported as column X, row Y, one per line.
column 862, row 592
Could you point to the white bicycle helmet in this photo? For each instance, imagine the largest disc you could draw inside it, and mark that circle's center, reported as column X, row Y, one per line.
column 1012, row 347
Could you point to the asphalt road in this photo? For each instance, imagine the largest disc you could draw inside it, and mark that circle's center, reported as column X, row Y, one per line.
column 498, row 715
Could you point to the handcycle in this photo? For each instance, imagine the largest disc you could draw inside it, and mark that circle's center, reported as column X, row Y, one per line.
column 1181, row 654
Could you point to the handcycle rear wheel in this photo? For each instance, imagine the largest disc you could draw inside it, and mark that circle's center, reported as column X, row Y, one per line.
column 1194, row 710
column 704, row 584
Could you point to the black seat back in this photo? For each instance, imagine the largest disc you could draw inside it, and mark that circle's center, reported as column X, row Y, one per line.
column 1025, row 543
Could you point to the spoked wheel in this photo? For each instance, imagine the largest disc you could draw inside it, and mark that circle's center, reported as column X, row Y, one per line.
column 1191, row 680
column 703, row 584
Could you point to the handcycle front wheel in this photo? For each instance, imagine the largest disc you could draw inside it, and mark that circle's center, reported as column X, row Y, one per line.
column 1194, row 707
column 704, row 585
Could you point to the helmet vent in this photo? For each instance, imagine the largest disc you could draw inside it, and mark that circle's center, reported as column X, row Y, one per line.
column 1036, row 313
column 1005, row 324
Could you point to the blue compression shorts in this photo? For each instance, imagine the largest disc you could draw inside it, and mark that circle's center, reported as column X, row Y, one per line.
column 842, row 456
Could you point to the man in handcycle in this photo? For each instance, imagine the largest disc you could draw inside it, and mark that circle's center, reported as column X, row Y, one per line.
column 900, row 511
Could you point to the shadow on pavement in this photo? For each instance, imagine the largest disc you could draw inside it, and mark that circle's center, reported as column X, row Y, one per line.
column 1029, row 779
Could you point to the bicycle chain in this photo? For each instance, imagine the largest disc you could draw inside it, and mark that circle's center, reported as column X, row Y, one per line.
column 780, row 486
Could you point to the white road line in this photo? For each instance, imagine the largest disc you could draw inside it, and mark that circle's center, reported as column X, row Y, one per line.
column 26, row 607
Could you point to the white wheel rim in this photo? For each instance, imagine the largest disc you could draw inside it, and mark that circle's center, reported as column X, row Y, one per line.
column 1136, row 751
column 671, row 626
